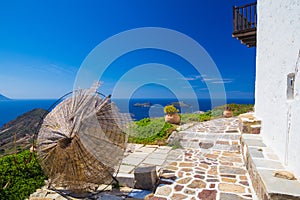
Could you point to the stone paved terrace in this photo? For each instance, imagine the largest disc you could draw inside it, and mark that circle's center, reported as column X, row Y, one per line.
column 208, row 166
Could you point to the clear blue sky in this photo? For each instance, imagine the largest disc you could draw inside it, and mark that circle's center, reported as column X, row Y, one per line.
column 43, row 43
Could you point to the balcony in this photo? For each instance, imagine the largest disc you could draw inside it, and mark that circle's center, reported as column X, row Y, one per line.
column 244, row 24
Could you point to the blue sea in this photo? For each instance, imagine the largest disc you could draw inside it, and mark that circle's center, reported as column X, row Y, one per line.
column 11, row 109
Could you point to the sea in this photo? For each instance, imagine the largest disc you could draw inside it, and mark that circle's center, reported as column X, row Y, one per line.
column 138, row 108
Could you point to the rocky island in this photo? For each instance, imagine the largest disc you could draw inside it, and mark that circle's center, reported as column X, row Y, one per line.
column 147, row 104
column 180, row 104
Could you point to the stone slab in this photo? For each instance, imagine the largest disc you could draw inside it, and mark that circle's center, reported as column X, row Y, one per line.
column 271, row 164
column 164, row 147
column 145, row 178
column 255, row 153
column 251, row 137
column 153, row 161
column 221, row 147
column 53, row 196
column 145, row 149
column 158, row 155
column 281, row 186
column 126, row 169
column 162, row 151
column 254, row 142
column 131, row 160
column 173, row 157
column 138, row 155
column 126, row 179
column 40, row 198
column 230, row 196
column 151, row 146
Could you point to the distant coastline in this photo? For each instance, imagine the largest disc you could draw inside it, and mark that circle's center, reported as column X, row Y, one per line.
column 4, row 98
column 10, row 109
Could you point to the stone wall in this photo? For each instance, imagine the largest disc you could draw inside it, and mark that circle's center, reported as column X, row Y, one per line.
column 249, row 124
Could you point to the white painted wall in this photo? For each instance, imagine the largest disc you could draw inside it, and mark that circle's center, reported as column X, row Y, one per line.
column 278, row 48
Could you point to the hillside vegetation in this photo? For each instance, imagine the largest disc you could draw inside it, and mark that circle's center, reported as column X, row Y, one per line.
column 20, row 176
column 156, row 131
column 20, row 132
column 146, row 131
column 217, row 112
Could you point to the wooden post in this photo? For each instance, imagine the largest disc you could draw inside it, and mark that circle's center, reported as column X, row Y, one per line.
column 246, row 18
column 234, row 18
column 255, row 15
column 251, row 26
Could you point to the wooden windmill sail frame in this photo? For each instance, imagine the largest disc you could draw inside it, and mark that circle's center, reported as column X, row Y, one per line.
column 82, row 141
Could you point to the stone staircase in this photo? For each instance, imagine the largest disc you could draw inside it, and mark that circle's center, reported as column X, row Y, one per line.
column 262, row 163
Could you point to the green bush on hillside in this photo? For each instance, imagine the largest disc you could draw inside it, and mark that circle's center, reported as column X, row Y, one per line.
column 143, row 122
column 20, row 176
column 205, row 116
column 156, row 131
column 216, row 112
column 189, row 117
column 237, row 109
column 146, row 131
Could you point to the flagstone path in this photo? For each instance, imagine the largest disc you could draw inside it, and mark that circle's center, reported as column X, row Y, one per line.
column 210, row 167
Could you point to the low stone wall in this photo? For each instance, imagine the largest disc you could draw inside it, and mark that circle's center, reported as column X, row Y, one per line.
column 261, row 163
column 249, row 124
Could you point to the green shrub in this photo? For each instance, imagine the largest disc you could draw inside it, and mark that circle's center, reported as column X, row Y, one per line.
column 143, row 122
column 170, row 109
column 205, row 116
column 20, row 175
column 237, row 109
column 216, row 112
column 189, row 117
column 146, row 131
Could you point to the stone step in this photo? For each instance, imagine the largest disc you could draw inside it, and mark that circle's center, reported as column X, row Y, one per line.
column 196, row 135
column 211, row 145
column 262, row 164
column 211, row 141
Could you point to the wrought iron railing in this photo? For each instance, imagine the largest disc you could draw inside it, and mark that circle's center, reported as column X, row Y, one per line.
column 244, row 17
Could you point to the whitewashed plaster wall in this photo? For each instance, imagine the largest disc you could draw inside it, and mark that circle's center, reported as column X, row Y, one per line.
column 278, row 49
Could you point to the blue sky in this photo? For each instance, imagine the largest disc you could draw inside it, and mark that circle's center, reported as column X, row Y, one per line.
column 43, row 45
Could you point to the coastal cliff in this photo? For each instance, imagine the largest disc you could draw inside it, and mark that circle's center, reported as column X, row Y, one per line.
column 18, row 134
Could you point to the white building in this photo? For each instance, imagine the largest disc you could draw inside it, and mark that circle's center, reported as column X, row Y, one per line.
column 274, row 28
column 277, row 87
